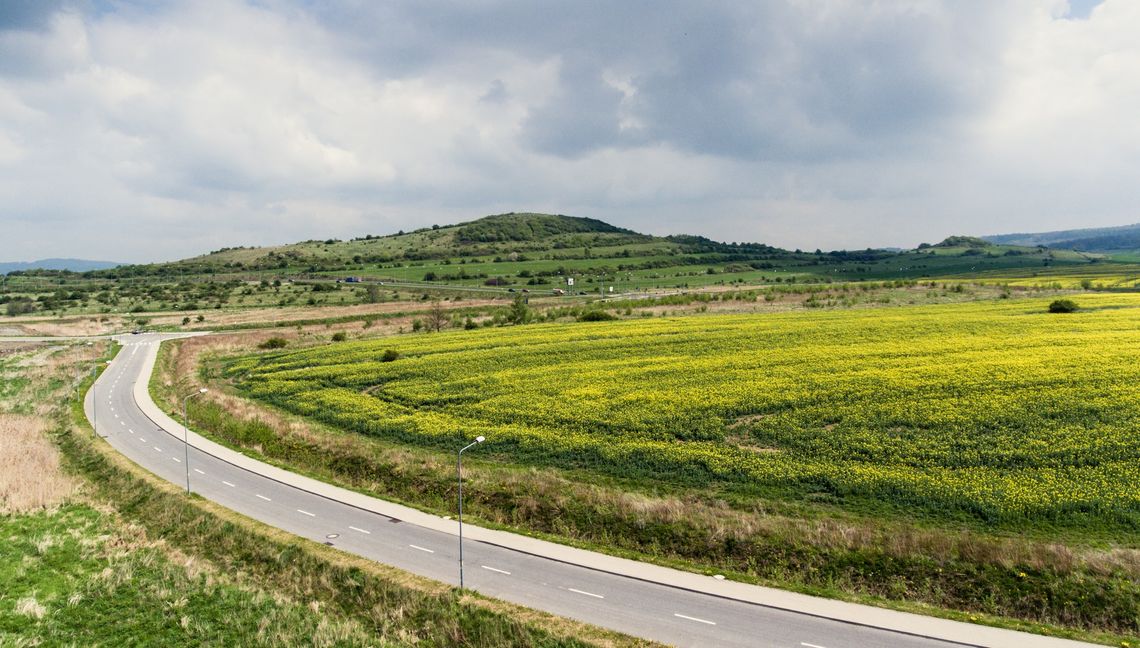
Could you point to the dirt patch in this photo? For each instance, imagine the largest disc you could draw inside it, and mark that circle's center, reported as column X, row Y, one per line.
column 278, row 315
column 759, row 449
column 747, row 420
column 74, row 326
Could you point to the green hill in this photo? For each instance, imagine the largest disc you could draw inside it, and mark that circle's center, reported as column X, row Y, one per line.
column 538, row 228
column 1095, row 239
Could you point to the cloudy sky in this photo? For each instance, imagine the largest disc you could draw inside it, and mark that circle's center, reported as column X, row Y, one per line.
column 143, row 131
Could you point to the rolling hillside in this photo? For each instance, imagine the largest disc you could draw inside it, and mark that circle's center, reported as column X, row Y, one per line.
column 1097, row 239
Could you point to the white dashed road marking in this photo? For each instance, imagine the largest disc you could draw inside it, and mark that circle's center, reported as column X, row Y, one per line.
column 360, row 530
column 307, row 513
column 227, row 483
column 421, row 548
column 495, row 570
column 578, row 591
column 705, row 621
column 263, row 497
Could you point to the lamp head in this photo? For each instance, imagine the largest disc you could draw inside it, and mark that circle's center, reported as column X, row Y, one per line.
column 480, row 439
column 203, row 390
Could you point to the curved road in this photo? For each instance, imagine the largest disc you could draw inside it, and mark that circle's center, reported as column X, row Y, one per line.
column 698, row 612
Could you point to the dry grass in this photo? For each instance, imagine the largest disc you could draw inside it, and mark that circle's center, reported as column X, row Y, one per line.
column 272, row 316
column 80, row 325
column 30, row 476
column 29, row 606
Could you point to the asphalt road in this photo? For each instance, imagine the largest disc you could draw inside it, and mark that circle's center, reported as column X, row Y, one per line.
column 645, row 609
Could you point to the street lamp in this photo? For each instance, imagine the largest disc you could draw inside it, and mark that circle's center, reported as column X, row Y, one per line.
column 186, row 433
column 459, row 475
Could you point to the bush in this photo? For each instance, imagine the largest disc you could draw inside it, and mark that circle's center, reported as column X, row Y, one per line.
column 389, row 355
column 20, row 306
column 596, row 316
column 1063, row 306
column 273, row 343
column 339, row 336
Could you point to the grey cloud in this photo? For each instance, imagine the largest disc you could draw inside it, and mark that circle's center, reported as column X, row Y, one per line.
column 582, row 116
column 762, row 81
column 807, row 123
column 496, row 92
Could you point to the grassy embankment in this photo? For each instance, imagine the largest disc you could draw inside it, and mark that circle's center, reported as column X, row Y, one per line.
column 98, row 552
column 922, row 506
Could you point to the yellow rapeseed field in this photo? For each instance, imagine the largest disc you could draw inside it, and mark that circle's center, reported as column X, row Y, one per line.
column 996, row 409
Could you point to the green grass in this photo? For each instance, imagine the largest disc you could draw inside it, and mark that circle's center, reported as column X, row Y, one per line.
column 76, row 576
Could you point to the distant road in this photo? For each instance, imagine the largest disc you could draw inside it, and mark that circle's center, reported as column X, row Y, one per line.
column 665, row 605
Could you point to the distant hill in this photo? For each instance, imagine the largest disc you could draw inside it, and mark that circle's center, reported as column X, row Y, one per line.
column 962, row 241
column 535, row 227
column 490, row 236
column 75, row 265
column 1093, row 239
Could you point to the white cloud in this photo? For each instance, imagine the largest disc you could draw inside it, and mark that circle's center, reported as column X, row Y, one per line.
column 807, row 124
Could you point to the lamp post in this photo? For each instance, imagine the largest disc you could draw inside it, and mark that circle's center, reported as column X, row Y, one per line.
column 186, row 434
column 459, row 476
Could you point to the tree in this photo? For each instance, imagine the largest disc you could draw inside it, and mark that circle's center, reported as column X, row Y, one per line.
column 372, row 295
column 519, row 312
column 437, row 317
column 1063, row 306
column 20, row 306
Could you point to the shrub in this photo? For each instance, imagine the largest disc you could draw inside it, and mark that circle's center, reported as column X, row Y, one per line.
column 339, row 336
column 273, row 343
column 1063, row 306
column 596, row 316
column 389, row 355
column 20, row 306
